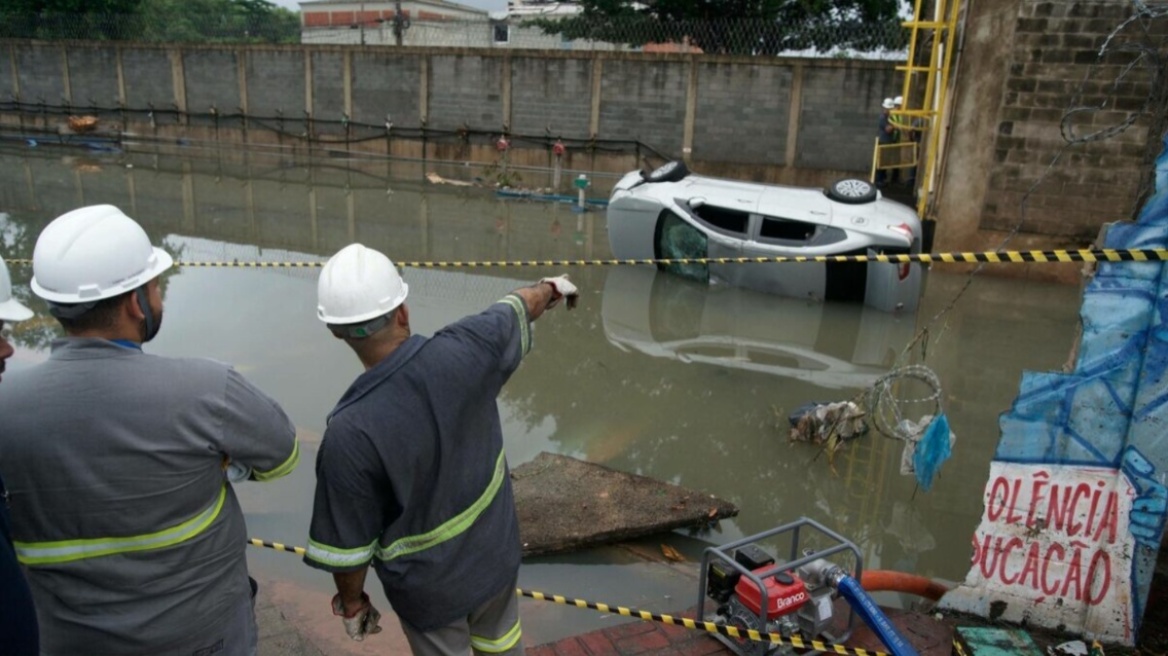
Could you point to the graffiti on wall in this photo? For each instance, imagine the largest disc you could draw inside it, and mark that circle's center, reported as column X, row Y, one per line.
column 1075, row 503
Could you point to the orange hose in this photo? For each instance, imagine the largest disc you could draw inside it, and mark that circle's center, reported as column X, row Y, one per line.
column 881, row 580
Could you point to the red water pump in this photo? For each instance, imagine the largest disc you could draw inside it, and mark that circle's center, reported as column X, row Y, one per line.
column 784, row 594
column 754, row 592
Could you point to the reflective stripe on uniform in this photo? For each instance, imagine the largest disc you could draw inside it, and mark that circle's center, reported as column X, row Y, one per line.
column 498, row 645
column 520, row 307
column 64, row 551
column 336, row 557
column 453, row 527
column 285, row 468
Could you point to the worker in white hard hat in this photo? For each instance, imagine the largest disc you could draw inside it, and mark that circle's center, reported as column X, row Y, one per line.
column 18, row 624
column 885, row 135
column 411, row 476
column 121, row 463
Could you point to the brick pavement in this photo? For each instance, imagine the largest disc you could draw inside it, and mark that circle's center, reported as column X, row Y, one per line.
column 632, row 638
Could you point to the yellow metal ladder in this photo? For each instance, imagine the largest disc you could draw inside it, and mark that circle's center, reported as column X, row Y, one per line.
column 922, row 115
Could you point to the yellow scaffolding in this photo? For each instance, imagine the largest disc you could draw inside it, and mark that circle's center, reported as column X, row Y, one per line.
column 922, row 114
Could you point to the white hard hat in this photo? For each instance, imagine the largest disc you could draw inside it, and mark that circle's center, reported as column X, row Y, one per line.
column 10, row 308
column 93, row 253
column 358, row 284
column 888, row 104
column 898, row 101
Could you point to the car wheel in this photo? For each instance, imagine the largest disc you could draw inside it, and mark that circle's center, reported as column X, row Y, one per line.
column 671, row 171
column 852, row 191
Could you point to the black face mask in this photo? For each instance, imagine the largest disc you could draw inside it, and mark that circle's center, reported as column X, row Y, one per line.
column 153, row 321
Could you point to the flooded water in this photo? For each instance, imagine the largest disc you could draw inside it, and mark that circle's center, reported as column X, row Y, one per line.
column 651, row 375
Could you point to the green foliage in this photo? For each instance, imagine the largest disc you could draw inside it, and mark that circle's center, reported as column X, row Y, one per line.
column 737, row 26
column 184, row 21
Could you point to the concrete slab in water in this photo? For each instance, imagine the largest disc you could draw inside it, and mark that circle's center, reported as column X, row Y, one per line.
column 566, row 504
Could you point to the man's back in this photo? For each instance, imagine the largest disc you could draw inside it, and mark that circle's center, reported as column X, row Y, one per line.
column 120, row 507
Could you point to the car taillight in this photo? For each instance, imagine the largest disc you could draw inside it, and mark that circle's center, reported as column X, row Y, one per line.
column 904, row 231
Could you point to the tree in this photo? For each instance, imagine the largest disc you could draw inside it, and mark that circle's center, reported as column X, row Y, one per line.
column 737, row 26
column 218, row 21
column 68, row 19
column 188, row 21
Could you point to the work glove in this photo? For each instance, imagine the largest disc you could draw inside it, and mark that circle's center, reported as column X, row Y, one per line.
column 561, row 288
column 362, row 622
column 237, row 473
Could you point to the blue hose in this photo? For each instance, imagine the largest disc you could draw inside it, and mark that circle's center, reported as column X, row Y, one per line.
column 875, row 618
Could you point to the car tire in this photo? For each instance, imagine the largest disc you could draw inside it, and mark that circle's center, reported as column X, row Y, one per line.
column 670, row 171
column 852, row 191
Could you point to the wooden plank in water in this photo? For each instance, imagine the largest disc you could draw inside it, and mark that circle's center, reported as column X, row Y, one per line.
column 566, row 504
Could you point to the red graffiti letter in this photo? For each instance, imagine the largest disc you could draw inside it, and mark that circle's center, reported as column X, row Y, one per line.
column 1073, row 527
column 1011, row 518
column 994, row 495
column 1012, row 544
column 1074, row 574
column 1099, row 558
column 1110, row 520
column 1046, row 587
column 1030, row 569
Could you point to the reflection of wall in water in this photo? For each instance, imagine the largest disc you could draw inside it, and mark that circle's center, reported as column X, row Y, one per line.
column 313, row 210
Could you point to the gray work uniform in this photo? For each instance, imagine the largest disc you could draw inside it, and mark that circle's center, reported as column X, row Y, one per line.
column 411, row 474
column 121, row 511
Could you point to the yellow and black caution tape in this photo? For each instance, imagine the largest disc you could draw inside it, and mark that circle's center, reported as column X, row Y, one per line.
column 993, row 257
column 644, row 615
column 710, row 627
column 277, row 546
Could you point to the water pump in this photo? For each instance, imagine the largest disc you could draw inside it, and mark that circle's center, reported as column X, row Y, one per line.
column 753, row 591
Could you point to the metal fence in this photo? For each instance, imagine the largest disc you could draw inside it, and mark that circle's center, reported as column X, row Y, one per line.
column 819, row 38
column 743, row 37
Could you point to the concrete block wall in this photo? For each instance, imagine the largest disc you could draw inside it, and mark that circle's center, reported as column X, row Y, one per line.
column 466, row 90
column 275, row 83
column 93, row 77
column 732, row 104
column 211, row 82
column 386, row 84
column 646, row 101
column 149, row 81
column 1054, row 67
column 552, row 95
column 40, row 75
column 841, row 116
column 806, row 118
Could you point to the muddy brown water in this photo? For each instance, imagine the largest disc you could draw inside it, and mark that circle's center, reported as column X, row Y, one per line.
column 651, row 375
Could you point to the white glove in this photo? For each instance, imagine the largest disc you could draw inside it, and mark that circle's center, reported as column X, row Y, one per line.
column 363, row 622
column 237, row 473
column 561, row 287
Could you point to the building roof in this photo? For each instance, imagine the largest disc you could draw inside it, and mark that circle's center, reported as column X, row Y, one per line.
column 372, row 4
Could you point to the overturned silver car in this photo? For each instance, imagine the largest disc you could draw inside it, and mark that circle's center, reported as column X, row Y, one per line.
column 674, row 214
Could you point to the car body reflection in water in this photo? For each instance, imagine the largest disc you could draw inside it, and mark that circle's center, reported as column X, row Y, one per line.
column 834, row 346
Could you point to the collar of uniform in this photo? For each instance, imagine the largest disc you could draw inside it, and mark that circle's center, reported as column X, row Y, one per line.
column 89, row 347
column 380, row 372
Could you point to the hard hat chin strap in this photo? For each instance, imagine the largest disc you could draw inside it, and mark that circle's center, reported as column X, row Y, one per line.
column 361, row 330
column 144, row 304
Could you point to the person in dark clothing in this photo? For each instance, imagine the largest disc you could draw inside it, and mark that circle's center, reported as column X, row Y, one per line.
column 411, row 476
column 18, row 624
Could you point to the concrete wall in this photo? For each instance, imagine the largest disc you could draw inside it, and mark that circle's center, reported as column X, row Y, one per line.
column 1006, row 133
column 799, row 121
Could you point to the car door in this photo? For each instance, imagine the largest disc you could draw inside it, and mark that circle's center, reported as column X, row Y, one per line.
column 772, row 236
column 726, row 228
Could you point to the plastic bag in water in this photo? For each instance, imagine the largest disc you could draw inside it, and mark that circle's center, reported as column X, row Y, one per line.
column 934, row 448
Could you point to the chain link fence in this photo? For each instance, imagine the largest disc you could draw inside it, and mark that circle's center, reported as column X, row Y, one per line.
column 824, row 38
